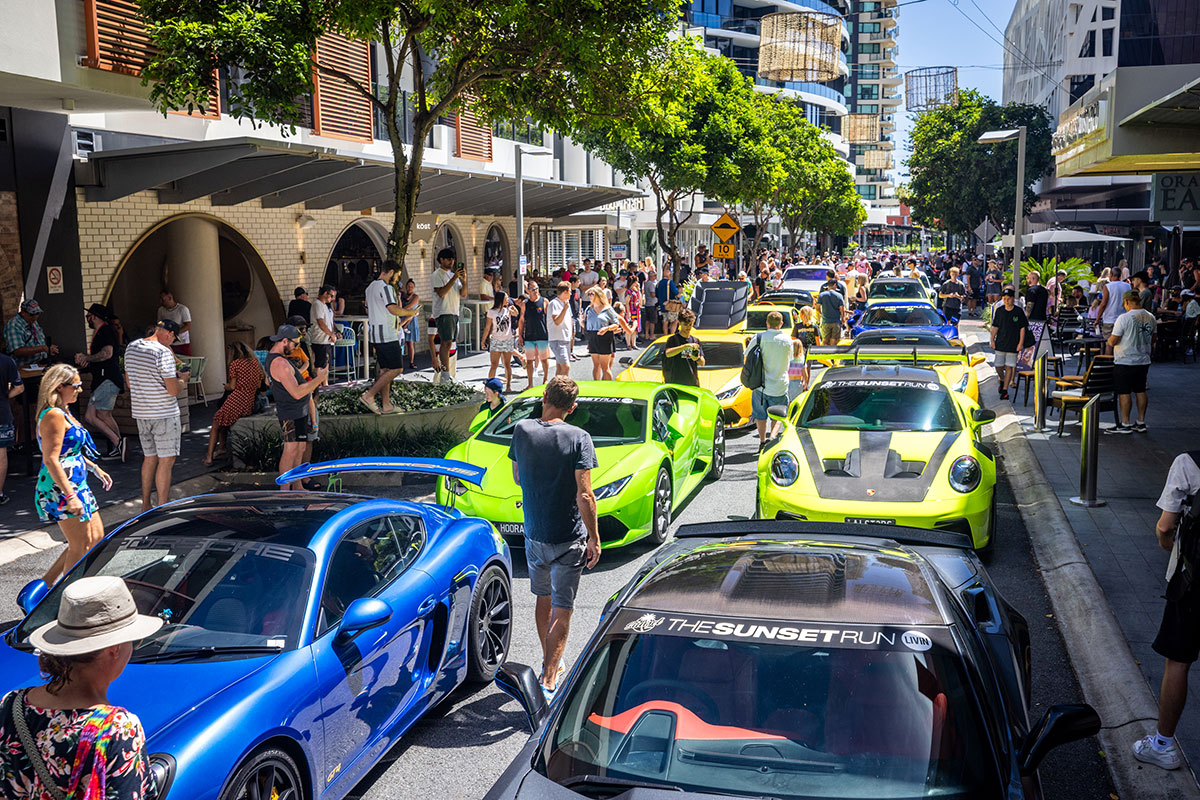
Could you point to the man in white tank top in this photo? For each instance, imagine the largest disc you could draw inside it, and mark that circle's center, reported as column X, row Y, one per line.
column 1111, row 307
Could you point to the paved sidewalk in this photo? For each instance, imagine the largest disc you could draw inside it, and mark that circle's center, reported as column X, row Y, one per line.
column 1118, row 538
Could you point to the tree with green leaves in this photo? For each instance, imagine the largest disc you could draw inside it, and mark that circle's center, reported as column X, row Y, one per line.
column 507, row 56
column 698, row 126
column 956, row 182
column 818, row 193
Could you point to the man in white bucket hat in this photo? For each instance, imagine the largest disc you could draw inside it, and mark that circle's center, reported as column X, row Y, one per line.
column 82, row 652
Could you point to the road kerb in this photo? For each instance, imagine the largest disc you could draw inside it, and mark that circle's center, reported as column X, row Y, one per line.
column 1111, row 680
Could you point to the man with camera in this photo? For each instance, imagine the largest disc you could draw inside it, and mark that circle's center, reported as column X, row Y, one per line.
column 449, row 290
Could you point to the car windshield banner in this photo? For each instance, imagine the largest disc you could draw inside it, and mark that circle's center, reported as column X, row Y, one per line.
column 917, row 639
column 880, row 383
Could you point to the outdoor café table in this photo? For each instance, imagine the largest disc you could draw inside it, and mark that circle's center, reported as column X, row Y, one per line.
column 359, row 325
column 1089, row 347
column 1166, row 335
column 31, row 377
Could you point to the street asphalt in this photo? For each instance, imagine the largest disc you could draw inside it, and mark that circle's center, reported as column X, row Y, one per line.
column 458, row 750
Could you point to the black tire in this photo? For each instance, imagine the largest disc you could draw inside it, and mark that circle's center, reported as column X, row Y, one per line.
column 988, row 550
column 754, row 513
column 660, row 521
column 717, row 467
column 269, row 774
column 490, row 625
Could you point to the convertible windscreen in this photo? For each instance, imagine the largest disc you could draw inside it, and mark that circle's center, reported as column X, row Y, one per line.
column 831, row 711
column 898, row 290
column 218, row 597
column 757, row 320
column 879, row 405
column 805, row 274
column 885, row 317
column 717, row 355
column 609, row 420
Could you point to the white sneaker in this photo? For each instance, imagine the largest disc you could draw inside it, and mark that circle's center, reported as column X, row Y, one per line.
column 1143, row 750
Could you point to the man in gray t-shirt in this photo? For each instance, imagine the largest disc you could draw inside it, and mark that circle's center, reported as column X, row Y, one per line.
column 552, row 463
column 1131, row 338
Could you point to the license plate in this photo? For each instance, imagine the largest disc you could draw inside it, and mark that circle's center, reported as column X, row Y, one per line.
column 871, row 520
column 511, row 528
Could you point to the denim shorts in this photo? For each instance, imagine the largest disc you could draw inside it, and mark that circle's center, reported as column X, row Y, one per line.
column 760, row 401
column 8, row 436
column 104, row 396
column 554, row 570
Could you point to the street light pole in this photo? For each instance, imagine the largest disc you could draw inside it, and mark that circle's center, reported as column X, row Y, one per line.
column 1019, row 213
column 520, row 215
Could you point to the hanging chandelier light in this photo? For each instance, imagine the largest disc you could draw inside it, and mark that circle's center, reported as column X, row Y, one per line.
column 800, row 46
column 927, row 88
column 861, row 128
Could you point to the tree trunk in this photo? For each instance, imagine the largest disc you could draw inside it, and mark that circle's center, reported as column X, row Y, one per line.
column 666, row 237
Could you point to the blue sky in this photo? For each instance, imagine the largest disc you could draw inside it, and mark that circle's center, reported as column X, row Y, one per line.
column 934, row 33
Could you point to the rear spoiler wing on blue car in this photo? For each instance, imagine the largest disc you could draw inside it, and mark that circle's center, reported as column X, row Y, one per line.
column 427, row 466
column 823, row 530
column 855, row 353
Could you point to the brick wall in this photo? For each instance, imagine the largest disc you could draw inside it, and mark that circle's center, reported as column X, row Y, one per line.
column 108, row 231
column 11, row 284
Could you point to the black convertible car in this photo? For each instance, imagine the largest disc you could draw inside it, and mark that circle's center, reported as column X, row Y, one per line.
column 792, row 659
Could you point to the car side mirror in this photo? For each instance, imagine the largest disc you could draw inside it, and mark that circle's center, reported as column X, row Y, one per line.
column 625, row 361
column 518, row 682
column 982, row 415
column 953, row 321
column 363, row 614
column 1059, row 725
column 978, row 359
column 480, row 420
column 777, row 413
column 31, row 594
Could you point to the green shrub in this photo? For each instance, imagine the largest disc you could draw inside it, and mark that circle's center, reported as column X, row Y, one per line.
column 1076, row 268
column 406, row 396
column 260, row 451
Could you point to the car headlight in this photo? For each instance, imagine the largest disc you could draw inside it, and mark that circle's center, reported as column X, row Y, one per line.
column 612, row 489
column 961, row 386
column 162, row 770
column 784, row 468
column 729, row 393
column 455, row 487
column 965, row 474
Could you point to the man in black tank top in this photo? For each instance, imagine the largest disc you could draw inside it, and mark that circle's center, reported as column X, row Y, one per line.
column 293, row 397
column 533, row 331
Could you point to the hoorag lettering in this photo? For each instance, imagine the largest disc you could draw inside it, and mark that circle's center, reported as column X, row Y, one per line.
column 873, row 637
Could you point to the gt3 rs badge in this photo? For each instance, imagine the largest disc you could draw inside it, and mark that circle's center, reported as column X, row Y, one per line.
column 645, row 623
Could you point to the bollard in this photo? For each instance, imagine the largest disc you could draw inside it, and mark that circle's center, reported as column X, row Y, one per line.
column 1039, row 390
column 1089, row 453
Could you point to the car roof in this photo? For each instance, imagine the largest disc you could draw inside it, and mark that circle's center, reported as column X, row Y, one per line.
column 846, row 581
column 869, row 372
column 638, row 390
column 271, row 517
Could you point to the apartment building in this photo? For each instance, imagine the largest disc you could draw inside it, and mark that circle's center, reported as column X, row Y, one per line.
column 873, row 87
column 103, row 199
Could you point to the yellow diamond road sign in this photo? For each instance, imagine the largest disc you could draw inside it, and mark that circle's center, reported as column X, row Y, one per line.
column 726, row 227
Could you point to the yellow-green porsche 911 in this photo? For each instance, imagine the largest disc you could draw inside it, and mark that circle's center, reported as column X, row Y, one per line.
column 887, row 445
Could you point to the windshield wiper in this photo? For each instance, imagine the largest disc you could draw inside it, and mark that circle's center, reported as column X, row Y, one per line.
column 779, row 764
column 200, row 653
column 599, row 780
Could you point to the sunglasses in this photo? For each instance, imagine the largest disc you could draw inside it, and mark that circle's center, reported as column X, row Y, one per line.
column 75, row 386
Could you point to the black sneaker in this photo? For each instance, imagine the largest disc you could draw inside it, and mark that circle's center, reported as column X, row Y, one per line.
column 1004, row 394
column 4, row 499
column 1119, row 429
column 1139, row 427
column 113, row 454
column 123, row 447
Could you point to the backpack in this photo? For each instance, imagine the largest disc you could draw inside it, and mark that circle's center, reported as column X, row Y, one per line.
column 1185, row 582
column 752, row 367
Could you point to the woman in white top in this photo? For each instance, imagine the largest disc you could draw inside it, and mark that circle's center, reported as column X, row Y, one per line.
column 501, row 327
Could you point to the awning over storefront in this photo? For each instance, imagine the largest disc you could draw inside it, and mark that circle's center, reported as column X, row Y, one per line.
column 1091, row 216
column 279, row 174
column 1180, row 107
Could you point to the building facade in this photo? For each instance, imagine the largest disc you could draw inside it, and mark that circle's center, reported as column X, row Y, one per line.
column 103, row 199
column 874, row 88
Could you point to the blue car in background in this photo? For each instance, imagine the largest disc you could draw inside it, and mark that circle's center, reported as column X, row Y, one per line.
column 904, row 316
column 305, row 632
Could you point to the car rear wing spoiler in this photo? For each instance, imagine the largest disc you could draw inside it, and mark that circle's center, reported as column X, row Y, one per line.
column 426, row 466
column 914, row 354
column 800, row 528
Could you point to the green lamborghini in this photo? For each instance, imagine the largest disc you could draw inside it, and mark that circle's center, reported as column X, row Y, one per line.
column 655, row 444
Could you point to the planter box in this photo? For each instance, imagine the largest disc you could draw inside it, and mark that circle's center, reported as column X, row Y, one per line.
column 457, row 417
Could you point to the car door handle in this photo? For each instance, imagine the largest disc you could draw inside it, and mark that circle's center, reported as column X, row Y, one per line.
column 427, row 606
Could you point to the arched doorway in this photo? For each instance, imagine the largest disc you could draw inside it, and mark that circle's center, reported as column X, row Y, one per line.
column 354, row 261
column 446, row 236
column 496, row 255
column 211, row 268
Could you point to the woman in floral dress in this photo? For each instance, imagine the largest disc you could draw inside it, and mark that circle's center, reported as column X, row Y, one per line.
column 245, row 379
column 63, row 739
column 68, row 455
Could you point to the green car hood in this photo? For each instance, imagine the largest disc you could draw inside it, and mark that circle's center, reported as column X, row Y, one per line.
column 615, row 462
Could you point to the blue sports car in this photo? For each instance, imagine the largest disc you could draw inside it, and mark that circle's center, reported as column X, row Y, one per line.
column 305, row 632
column 906, row 316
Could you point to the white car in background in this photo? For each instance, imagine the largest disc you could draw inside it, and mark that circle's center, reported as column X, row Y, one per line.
column 808, row 278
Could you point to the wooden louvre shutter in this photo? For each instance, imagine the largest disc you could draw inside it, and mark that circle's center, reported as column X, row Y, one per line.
column 117, row 42
column 342, row 112
column 472, row 140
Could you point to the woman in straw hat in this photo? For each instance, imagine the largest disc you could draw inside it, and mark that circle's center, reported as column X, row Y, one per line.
column 68, row 455
column 63, row 739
